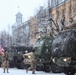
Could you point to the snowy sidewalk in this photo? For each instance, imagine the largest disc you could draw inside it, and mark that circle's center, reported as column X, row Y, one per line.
column 14, row 71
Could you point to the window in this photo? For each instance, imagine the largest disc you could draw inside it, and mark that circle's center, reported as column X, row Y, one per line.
column 63, row 13
column 60, row 1
column 56, row 2
column 70, row 9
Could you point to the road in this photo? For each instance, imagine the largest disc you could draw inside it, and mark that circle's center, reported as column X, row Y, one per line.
column 14, row 71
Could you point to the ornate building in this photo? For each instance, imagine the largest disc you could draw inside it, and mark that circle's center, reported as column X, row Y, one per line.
column 20, row 31
column 28, row 32
column 63, row 8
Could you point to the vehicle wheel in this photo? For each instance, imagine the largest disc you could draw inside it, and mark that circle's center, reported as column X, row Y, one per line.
column 69, row 71
column 18, row 66
column 39, row 68
column 11, row 64
column 22, row 65
column 47, row 68
column 55, row 68
column 0, row 64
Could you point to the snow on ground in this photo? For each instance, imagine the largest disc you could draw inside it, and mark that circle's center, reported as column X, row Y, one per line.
column 14, row 71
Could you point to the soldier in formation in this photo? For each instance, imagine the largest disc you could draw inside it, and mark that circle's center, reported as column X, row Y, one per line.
column 5, row 61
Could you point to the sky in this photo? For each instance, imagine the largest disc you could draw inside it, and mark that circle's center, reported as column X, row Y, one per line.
column 9, row 8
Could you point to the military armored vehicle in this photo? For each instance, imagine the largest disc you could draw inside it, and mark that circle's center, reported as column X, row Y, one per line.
column 64, row 50
column 17, row 56
column 43, row 53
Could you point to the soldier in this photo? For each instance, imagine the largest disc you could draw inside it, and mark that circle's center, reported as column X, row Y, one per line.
column 6, row 61
column 31, row 60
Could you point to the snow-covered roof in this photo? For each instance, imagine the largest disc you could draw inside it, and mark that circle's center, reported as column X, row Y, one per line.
column 19, row 14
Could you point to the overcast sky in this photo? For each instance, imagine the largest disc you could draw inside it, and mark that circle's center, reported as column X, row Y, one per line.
column 9, row 8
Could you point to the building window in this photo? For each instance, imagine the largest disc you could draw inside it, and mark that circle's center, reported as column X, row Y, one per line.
column 56, row 2
column 70, row 10
column 74, row 8
column 60, row 1
column 63, row 13
column 57, row 14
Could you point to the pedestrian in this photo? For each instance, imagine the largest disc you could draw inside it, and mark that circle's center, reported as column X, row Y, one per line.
column 6, row 59
column 30, row 60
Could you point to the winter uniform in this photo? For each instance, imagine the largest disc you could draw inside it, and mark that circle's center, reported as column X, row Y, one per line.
column 30, row 60
column 6, row 59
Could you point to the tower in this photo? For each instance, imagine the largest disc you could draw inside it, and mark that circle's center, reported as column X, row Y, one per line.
column 18, row 18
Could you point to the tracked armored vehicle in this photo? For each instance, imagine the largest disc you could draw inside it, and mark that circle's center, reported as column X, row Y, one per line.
column 64, row 50
column 43, row 53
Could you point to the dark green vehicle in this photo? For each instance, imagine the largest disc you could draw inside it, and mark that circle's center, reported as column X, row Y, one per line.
column 43, row 53
column 64, row 51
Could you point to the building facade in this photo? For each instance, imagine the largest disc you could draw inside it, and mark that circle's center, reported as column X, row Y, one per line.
column 28, row 32
column 33, row 30
column 20, row 32
column 63, row 8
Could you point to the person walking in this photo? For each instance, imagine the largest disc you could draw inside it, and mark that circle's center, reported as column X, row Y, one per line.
column 6, row 61
column 31, row 60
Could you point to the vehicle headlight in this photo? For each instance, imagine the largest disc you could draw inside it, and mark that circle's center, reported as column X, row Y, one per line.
column 29, row 56
column 53, row 59
column 66, row 59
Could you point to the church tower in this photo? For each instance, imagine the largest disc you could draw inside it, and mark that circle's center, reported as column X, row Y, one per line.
column 19, row 18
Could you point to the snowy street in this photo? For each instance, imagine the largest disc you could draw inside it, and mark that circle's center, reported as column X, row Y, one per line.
column 14, row 71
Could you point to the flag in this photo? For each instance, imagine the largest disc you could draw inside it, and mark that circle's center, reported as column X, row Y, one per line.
column 1, row 50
